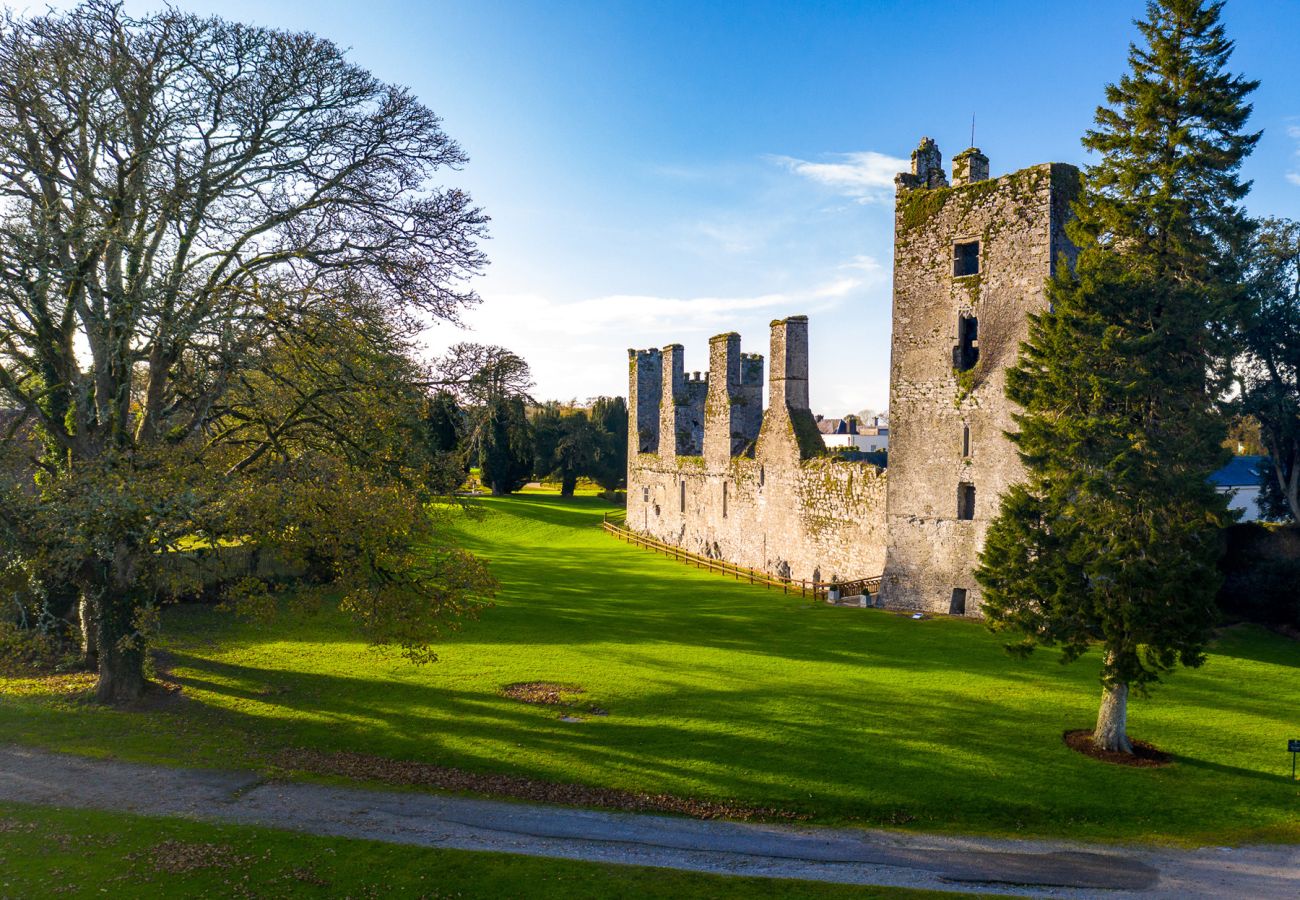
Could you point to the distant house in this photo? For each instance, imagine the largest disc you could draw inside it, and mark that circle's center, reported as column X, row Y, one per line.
column 1242, row 479
column 849, row 432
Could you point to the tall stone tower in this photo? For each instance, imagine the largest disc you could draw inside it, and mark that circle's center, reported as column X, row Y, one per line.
column 970, row 262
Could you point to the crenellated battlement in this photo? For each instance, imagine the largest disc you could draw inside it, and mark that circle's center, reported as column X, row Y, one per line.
column 741, row 483
column 719, row 414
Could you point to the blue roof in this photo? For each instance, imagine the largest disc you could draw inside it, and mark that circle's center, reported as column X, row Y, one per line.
column 1242, row 471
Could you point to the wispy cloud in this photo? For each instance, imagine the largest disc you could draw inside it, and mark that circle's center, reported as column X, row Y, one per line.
column 649, row 315
column 866, row 176
column 575, row 345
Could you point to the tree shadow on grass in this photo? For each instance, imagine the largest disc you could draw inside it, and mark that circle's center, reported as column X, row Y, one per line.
column 893, row 758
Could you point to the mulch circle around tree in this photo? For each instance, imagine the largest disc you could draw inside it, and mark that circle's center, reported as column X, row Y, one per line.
column 1144, row 755
column 550, row 693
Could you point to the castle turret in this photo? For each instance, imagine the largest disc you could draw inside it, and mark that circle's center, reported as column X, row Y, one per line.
column 645, row 387
column 733, row 411
column 691, row 418
column 681, row 407
column 672, row 400
column 789, row 430
column 722, row 405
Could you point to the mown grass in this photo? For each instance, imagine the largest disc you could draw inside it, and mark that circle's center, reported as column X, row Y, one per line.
column 66, row 853
column 720, row 691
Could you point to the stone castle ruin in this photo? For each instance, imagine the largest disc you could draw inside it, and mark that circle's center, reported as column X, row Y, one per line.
column 712, row 472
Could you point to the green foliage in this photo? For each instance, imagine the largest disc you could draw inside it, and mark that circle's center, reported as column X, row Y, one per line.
column 29, row 651
column 505, row 451
column 184, row 326
column 1261, row 569
column 609, row 415
column 1114, row 537
column 1166, row 189
column 574, row 443
column 567, row 445
column 1268, row 370
column 444, row 423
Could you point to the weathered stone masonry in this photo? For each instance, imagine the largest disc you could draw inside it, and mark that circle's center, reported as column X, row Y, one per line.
column 954, row 335
column 709, row 471
column 756, row 488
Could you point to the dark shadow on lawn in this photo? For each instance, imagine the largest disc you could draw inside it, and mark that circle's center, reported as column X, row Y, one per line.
column 868, row 765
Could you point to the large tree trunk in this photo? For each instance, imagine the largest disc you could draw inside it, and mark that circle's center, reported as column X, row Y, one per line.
column 121, row 646
column 568, row 484
column 121, row 653
column 1111, row 732
column 88, row 621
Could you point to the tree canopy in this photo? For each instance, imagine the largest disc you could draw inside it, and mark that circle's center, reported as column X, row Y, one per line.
column 1113, row 537
column 192, row 212
column 1269, row 363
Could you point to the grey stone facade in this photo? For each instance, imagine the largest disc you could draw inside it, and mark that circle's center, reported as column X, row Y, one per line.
column 761, row 493
column 711, row 472
column 954, row 335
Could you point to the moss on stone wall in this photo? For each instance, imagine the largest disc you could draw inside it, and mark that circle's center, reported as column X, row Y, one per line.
column 919, row 205
column 967, row 381
column 806, row 436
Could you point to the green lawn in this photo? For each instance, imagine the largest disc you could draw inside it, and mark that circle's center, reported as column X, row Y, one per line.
column 45, row 853
column 721, row 691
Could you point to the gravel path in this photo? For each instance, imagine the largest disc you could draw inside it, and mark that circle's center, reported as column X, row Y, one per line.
column 1032, row 868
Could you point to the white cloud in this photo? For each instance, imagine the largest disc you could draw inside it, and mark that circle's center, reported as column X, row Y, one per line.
column 1294, row 178
column 866, row 176
column 576, row 347
column 868, row 264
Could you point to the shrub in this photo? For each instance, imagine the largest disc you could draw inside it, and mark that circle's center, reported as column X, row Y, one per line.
column 1261, row 572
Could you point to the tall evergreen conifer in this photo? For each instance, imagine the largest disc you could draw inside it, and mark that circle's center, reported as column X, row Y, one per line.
column 1113, row 538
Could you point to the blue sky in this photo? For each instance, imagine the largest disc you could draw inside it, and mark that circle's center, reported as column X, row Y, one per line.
column 658, row 172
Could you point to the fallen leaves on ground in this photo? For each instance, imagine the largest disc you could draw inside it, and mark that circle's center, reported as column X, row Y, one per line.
column 365, row 767
column 550, row 693
column 179, row 857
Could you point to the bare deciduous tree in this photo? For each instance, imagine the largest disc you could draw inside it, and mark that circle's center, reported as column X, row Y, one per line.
column 176, row 193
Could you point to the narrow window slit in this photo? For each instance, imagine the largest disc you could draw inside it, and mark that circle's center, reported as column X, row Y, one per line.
column 965, row 501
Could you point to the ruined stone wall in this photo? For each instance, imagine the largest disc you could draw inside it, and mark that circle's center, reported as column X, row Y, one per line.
column 947, row 427
column 725, row 479
column 759, row 490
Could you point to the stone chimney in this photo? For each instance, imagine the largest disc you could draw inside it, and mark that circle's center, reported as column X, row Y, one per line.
column 645, row 387
column 969, row 166
column 789, row 431
column 723, row 401
column 927, row 168
column 673, row 401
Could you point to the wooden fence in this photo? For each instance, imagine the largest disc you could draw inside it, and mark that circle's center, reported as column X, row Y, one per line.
column 816, row 589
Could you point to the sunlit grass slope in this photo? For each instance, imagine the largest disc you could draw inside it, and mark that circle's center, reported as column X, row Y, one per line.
column 722, row 691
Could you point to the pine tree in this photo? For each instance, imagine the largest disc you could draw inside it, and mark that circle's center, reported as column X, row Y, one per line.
column 1113, row 538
